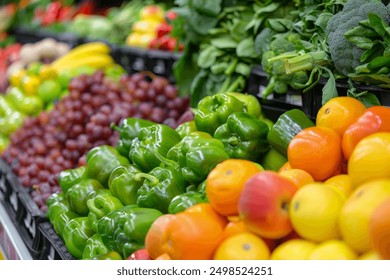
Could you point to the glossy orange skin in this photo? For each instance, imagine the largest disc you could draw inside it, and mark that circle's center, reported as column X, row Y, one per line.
column 374, row 119
column 225, row 183
column 379, row 230
column 156, row 235
column 317, row 150
column 188, row 235
column 208, row 210
column 285, row 167
column 234, row 226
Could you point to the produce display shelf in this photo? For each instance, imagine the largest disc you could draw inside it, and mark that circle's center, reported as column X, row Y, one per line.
column 11, row 242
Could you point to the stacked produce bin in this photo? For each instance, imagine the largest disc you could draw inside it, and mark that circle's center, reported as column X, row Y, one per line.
column 163, row 116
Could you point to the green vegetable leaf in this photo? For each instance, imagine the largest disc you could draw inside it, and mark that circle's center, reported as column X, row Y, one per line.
column 246, row 48
column 329, row 90
column 262, row 41
column 378, row 62
column 208, row 8
column 361, row 42
column 280, row 24
column 361, row 31
column 369, row 54
column 378, row 24
column 224, row 42
column 202, row 23
column 243, row 69
column 322, row 21
column 369, row 99
column 208, row 56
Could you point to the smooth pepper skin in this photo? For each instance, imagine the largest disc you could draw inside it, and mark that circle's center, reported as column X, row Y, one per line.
column 94, row 247
column 251, row 103
column 109, row 256
column 129, row 129
column 186, row 128
column 78, row 195
column 158, row 138
column 159, row 187
column 112, row 228
column 123, row 185
column 76, row 233
column 69, row 177
column 286, row 127
column 197, row 154
column 58, row 212
column 101, row 203
column 101, row 161
column 244, row 136
column 183, row 201
column 213, row 111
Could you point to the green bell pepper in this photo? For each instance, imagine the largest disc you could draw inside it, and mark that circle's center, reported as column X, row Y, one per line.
column 286, row 127
column 183, row 201
column 273, row 160
column 76, row 233
column 78, row 194
column 69, row 177
column 101, row 160
column 136, row 220
column 186, row 128
column 159, row 187
column 129, row 129
column 158, row 138
column 243, row 136
column 111, row 255
column 197, row 154
column 123, row 185
column 94, row 247
column 58, row 212
column 202, row 189
column 251, row 103
column 101, row 203
column 213, row 111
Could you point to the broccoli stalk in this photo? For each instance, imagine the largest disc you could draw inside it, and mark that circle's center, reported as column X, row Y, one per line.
column 306, row 62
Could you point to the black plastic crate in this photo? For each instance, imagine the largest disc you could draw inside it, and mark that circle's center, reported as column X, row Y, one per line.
column 26, row 35
column 53, row 248
column 29, row 218
column 9, row 190
column 312, row 100
column 275, row 104
column 155, row 61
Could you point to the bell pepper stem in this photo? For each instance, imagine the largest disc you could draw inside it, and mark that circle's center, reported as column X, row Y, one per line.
column 113, row 126
column 233, row 140
column 164, row 160
column 92, row 207
column 152, row 179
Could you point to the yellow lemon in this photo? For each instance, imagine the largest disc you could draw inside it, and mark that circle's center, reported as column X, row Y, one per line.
column 357, row 210
column 341, row 182
column 242, row 246
column 314, row 212
column 294, row 249
column 333, row 250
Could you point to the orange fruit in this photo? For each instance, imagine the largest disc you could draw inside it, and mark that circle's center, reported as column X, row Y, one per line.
column 225, row 183
column 317, row 150
column 285, row 166
column 379, row 230
column 298, row 176
column 342, row 183
column 242, row 246
column 234, row 226
column 339, row 113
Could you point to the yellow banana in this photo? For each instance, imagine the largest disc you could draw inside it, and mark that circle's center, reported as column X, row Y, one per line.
column 82, row 51
column 96, row 61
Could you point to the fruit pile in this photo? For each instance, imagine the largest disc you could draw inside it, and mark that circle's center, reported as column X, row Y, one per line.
column 56, row 140
column 201, row 188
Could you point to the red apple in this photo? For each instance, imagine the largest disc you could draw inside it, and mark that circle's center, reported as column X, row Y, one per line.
column 140, row 254
column 263, row 204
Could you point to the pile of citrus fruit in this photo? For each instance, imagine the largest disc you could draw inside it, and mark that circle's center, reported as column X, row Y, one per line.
column 330, row 201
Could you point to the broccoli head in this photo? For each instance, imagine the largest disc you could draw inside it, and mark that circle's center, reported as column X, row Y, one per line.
column 344, row 54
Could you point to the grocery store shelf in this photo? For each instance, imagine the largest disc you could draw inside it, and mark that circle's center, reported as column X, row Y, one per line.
column 10, row 241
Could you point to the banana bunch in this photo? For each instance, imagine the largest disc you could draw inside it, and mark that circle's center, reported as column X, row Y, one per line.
column 94, row 54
